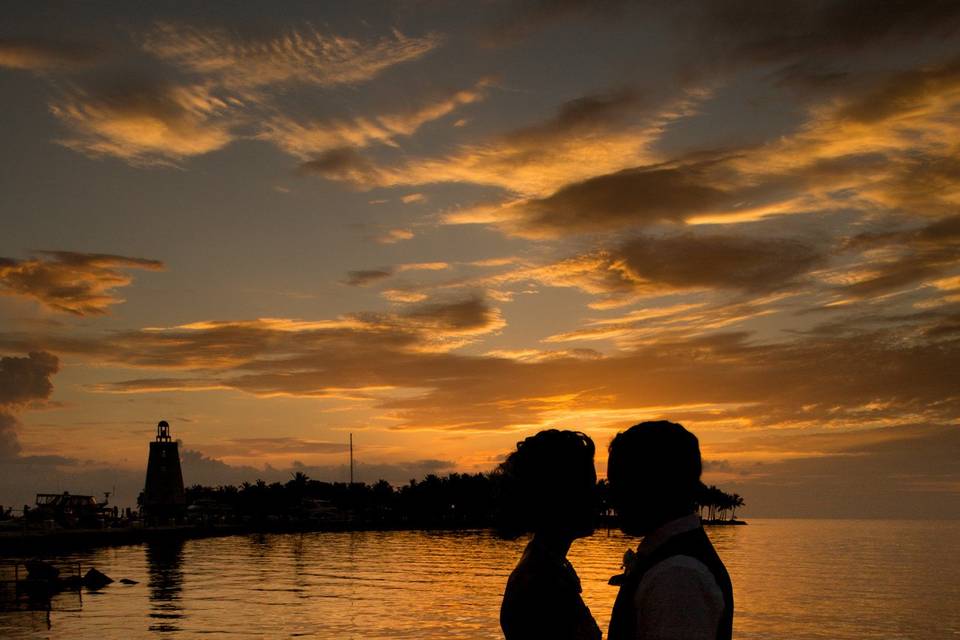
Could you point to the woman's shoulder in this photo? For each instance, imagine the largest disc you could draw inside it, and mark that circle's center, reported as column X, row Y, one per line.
column 540, row 600
column 536, row 566
column 542, row 578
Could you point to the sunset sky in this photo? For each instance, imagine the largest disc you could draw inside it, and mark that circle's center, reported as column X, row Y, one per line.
column 443, row 226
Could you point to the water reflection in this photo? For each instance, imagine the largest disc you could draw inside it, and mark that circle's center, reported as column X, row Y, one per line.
column 724, row 539
column 803, row 580
column 165, row 584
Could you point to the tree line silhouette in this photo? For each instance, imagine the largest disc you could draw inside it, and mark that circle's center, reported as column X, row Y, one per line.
column 455, row 500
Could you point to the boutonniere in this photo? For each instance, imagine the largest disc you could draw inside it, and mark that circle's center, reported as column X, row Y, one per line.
column 629, row 562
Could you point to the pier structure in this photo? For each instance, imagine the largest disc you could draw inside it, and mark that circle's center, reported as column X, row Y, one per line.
column 164, row 500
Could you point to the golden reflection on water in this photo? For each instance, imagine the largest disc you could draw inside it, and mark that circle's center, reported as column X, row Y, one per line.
column 793, row 579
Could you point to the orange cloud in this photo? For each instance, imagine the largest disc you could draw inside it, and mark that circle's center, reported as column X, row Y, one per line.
column 393, row 236
column 884, row 148
column 76, row 283
column 306, row 139
column 145, row 123
column 818, row 378
column 39, row 54
column 590, row 135
column 305, row 55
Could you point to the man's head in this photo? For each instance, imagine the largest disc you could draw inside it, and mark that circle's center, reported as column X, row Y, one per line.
column 654, row 475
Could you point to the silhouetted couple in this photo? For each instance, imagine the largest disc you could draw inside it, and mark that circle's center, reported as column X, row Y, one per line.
column 674, row 587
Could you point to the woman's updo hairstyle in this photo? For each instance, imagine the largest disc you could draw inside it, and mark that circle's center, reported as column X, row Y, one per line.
column 539, row 483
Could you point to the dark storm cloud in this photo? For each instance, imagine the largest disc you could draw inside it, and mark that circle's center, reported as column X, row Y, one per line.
column 9, row 444
column 22, row 380
column 76, row 283
column 40, row 54
column 26, row 379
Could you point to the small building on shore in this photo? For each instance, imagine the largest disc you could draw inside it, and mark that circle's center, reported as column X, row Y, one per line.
column 70, row 510
column 163, row 499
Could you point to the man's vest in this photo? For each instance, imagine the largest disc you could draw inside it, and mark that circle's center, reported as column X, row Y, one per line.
column 696, row 544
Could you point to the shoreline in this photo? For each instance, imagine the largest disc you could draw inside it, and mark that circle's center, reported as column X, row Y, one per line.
column 51, row 543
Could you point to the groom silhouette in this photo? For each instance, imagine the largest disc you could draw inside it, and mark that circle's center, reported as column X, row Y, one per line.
column 675, row 586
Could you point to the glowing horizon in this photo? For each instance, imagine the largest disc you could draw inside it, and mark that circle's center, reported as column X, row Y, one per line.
column 443, row 232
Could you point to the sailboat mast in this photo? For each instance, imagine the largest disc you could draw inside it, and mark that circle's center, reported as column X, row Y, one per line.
column 351, row 459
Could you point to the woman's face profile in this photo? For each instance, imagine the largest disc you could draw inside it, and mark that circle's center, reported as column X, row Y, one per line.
column 582, row 502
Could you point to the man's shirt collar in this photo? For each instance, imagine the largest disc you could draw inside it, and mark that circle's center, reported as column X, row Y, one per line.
column 666, row 531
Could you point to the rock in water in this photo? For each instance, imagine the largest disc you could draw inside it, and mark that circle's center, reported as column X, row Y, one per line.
column 96, row 580
column 40, row 570
column 128, row 581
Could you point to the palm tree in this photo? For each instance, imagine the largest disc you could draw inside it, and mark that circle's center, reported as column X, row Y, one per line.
column 736, row 502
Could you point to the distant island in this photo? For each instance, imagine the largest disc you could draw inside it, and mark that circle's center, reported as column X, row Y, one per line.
column 167, row 509
column 455, row 500
column 452, row 501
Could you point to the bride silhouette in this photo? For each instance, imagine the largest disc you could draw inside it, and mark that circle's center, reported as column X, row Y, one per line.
column 548, row 488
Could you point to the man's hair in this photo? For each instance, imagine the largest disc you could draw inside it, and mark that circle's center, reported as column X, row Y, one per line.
column 535, row 481
column 660, row 456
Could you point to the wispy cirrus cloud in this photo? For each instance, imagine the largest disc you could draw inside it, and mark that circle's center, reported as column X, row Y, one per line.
column 882, row 148
column 305, row 139
column 77, row 283
column 306, row 55
column 220, row 92
column 593, row 134
column 904, row 258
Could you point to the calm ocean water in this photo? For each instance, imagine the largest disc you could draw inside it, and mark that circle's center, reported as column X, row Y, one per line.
column 794, row 579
